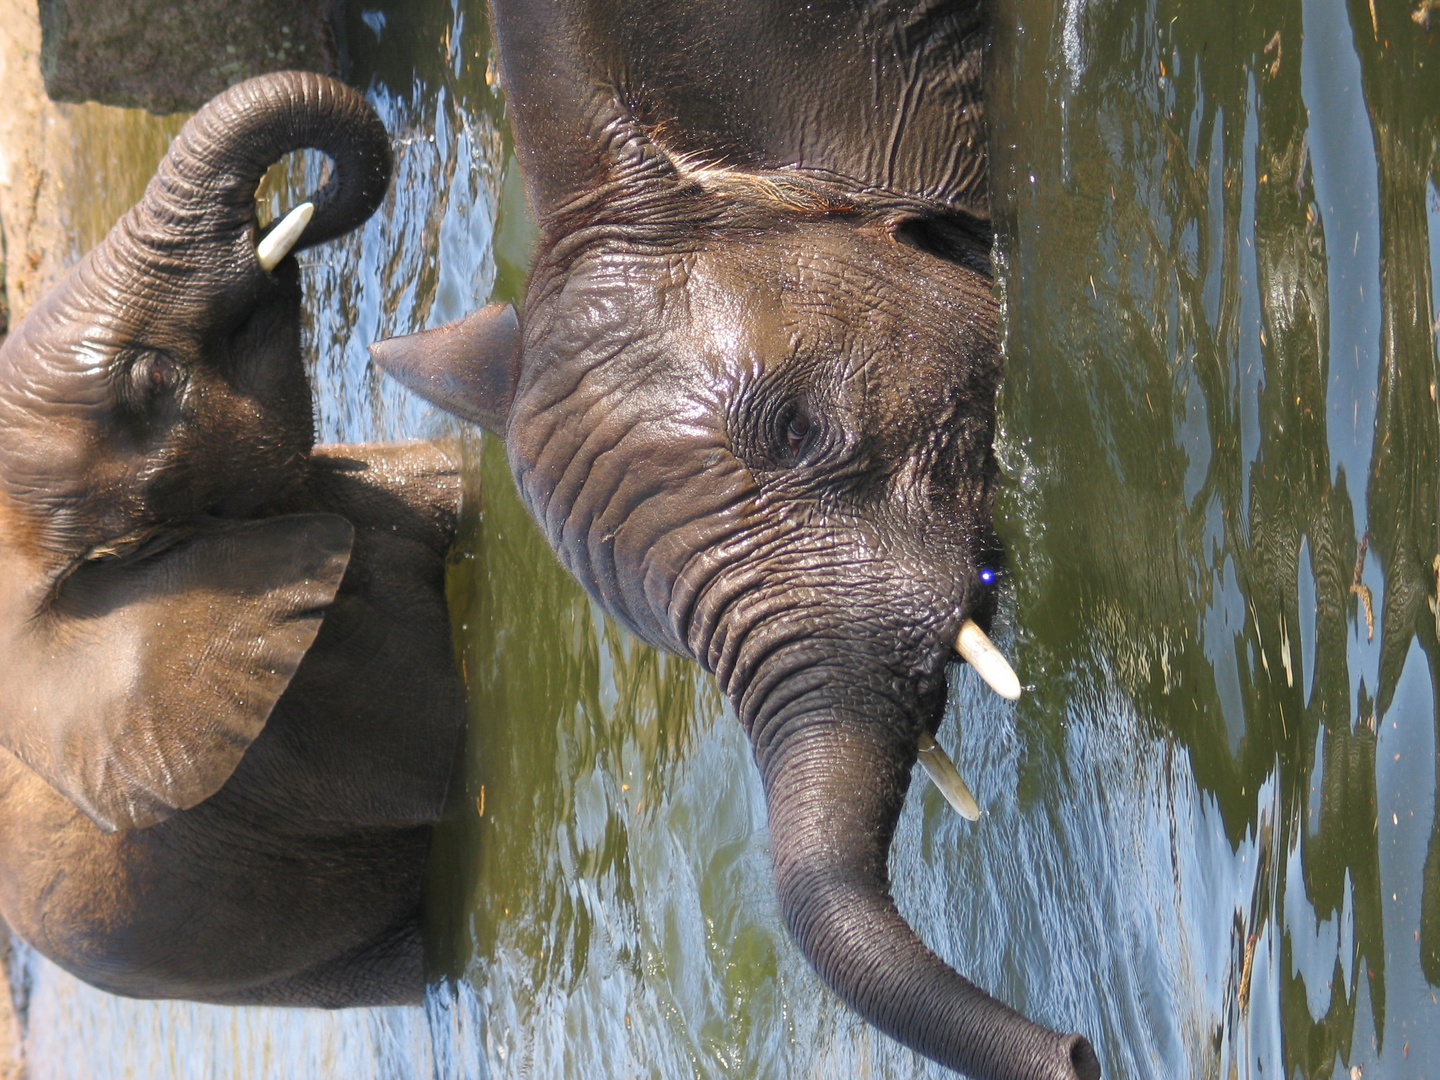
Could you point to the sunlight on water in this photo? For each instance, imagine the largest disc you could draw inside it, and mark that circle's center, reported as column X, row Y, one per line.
column 76, row 1032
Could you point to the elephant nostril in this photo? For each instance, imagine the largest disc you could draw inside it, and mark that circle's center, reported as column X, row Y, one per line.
column 1083, row 1059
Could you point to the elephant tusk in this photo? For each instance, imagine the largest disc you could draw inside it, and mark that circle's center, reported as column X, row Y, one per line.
column 277, row 243
column 974, row 645
column 946, row 777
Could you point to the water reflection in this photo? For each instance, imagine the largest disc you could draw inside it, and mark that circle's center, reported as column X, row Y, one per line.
column 1212, row 839
column 1237, row 529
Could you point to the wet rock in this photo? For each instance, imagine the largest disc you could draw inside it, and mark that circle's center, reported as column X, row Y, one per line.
column 168, row 57
column 4, row 300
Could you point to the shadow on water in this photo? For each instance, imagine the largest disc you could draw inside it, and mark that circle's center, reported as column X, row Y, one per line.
column 1212, row 840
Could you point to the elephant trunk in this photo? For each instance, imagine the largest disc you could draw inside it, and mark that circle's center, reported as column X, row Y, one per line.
column 203, row 195
column 835, row 783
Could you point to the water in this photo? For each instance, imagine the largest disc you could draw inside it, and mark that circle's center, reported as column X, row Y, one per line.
column 1212, row 839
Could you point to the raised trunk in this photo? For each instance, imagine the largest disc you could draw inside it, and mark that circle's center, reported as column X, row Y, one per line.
column 208, row 179
column 193, row 235
column 178, row 278
column 835, row 784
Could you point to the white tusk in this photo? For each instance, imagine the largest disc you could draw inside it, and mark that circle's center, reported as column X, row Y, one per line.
column 946, row 777
column 986, row 659
column 279, row 240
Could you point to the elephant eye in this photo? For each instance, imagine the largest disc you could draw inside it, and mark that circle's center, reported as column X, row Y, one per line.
column 949, row 241
column 798, row 433
column 153, row 375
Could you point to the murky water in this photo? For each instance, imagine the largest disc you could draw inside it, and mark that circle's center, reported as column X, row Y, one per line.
column 1212, row 836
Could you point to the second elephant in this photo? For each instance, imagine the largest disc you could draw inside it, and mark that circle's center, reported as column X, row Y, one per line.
column 227, row 697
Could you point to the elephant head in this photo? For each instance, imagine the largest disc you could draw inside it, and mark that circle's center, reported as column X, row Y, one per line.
column 151, row 407
column 751, row 405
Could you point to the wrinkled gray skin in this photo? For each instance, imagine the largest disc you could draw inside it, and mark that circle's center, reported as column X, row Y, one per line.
column 751, row 405
column 226, row 683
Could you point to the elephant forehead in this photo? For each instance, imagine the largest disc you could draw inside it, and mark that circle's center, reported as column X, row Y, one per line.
column 48, row 454
column 19, row 542
column 736, row 321
column 748, row 321
column 57, row 369
column 834, row 288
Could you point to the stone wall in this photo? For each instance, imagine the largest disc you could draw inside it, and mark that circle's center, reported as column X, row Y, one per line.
column 174, row 55
column 35, row 143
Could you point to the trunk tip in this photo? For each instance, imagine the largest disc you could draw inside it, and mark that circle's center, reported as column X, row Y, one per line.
column 1083, row 1059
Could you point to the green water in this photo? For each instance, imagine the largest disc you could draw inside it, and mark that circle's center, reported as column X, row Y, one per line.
column 1211, row 831
column 1219, row 271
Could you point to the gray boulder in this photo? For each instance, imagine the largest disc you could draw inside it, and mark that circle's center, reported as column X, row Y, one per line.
column 168, row 56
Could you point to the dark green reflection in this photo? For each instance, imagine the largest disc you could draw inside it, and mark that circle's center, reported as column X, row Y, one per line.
column 1185, row 272
column 116, row 152
column 559, row 699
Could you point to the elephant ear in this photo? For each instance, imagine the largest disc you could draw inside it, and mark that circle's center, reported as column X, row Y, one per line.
column 468, row 367
column 139, row 686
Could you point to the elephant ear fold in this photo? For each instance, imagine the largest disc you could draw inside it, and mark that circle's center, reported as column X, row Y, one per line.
column 468, row 367
column 139, row 686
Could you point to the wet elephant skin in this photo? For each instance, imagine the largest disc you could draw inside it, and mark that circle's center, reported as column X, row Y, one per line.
column 750, row 402
column 228, row 697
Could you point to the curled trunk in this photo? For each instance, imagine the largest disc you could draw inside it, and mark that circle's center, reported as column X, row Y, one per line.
column 185, row 254
column 835, row 785
column 212, row 171
column 183, row 258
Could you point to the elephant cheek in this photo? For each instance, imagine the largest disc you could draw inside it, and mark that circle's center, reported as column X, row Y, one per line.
column 644, row 517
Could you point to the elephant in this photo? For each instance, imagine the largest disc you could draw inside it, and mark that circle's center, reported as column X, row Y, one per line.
column 229, row 707
column 751, row 402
